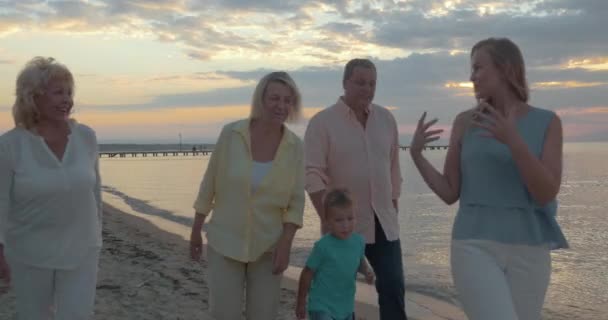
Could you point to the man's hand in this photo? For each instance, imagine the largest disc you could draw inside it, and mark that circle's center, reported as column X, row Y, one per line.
column 370, row 277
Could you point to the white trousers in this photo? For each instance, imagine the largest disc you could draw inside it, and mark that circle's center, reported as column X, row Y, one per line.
column 229, row 280
column 500, row 281
column 43, row 293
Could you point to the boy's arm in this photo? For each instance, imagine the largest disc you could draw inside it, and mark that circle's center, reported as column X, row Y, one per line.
column 366, row 270
column 303, row 287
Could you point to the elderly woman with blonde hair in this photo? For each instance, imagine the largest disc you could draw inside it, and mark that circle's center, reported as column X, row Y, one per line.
column 254, row 184
column 50, row 201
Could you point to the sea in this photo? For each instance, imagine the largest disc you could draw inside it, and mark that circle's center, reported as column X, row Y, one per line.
column 163, row 189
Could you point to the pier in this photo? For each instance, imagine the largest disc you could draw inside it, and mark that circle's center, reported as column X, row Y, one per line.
column 158, row 153
column 443, row 147
column 177, row 153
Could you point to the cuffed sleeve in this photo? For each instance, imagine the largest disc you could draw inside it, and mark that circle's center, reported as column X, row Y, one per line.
column 97, row 190
column 396, row 178
column 295, row 211
column 205, row 200
column 316, row 150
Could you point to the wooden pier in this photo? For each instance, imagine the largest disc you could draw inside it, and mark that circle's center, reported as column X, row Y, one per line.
column 144, row 154
column 443, row 147
column 177, row 153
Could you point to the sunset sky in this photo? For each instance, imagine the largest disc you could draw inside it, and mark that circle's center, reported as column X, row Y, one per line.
column 147, row 71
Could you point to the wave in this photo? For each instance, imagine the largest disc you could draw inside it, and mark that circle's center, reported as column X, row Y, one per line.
column 143, row 207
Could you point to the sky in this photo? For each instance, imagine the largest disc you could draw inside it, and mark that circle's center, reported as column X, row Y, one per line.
column 150, row 71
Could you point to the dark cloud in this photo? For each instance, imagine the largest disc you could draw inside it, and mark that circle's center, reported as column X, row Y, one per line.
column 566, row 29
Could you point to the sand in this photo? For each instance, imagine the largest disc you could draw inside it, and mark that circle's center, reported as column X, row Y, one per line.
column 146, row 273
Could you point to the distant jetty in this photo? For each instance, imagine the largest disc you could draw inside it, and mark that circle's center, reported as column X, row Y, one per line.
column 191, row 153
column 156, row 153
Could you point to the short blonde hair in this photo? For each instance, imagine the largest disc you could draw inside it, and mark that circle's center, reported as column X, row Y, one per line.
column 282, row 77
column 336, row 198
column 33, row 81
column 510, row 63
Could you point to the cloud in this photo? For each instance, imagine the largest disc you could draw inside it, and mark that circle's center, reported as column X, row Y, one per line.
column 331, row 30
column 566, row 84
column 573, row 111
column 590, row 63
column 420, row 48
column 434, row 82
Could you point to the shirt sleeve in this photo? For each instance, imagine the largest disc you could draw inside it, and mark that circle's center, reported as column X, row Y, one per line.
column 97, row 190
column 295, row 211
column 6, row 181
column 316, row 150
column 205, row 200
column 396, row 178
column 315, row 259
column 90, row 139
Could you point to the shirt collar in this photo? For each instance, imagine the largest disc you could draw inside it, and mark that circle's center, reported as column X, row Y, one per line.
column 242, row 127
column 348, row 110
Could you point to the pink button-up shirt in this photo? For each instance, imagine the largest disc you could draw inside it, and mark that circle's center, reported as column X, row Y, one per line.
column 340, row 152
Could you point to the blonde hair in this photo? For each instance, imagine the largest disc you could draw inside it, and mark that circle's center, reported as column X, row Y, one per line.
column 336, row 198
column 509, row 61
column 257, row 104
column 33, row 81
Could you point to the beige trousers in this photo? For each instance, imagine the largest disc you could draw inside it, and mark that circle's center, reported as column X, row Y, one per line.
column 43, row 293
column 229, row 280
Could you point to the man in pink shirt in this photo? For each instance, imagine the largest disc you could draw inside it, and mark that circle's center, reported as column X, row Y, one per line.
column 354, row 144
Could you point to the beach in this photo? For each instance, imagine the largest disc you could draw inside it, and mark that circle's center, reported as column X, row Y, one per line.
column 146, row 273
column 161, row 190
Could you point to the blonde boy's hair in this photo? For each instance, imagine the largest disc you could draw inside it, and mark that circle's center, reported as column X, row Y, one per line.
column 336, row 198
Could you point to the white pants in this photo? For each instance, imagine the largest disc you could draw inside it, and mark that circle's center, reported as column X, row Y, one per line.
column 228, row 280
column 43, row 293
column 499, row 281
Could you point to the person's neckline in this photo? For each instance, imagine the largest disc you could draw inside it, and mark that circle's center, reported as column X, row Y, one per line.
column 35, row 133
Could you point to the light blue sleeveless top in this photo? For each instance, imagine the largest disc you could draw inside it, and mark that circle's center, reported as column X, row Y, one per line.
column 494, row 201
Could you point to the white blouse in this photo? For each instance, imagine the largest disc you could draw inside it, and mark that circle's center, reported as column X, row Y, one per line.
column 50, row 210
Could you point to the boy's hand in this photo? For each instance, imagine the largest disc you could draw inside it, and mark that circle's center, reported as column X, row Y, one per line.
column 370, row 276
column 300, row 311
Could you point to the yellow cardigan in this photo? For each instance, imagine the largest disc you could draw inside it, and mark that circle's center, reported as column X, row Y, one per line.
column 243, row 225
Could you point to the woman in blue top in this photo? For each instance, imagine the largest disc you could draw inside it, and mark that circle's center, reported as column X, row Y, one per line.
column 329, row 277
column 504, row 164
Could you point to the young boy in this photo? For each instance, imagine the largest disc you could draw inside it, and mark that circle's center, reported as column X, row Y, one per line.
column 333, row 264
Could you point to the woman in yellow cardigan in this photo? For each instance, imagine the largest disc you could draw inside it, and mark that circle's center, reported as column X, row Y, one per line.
column 254, row 185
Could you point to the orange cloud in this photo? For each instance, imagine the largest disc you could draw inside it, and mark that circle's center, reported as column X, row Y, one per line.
column 566, row 84
column 572, row 111
column 463, row 88
column 458, row 85
column 175, row 116
column 592, row 63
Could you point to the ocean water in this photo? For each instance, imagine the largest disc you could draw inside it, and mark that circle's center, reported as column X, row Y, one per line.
column 163, row 190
